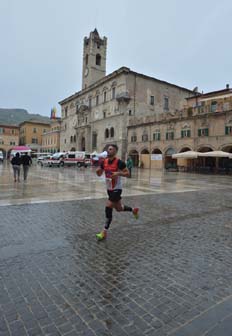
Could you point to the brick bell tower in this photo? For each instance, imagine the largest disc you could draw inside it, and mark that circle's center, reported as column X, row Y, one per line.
column 94, row 59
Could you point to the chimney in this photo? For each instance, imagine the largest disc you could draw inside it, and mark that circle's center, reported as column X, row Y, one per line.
column 227, row 86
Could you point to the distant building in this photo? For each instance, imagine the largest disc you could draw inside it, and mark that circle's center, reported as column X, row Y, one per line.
column 31, row 132
column 51, row 138
column 100, row 113
column 204, row 124
column 9, row 137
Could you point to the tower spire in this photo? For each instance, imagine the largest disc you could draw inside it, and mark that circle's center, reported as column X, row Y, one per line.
column 96, row 32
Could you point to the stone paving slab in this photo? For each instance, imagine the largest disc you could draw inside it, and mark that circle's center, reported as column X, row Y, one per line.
column 223, row 328
column 215, row 321
column 151, row 277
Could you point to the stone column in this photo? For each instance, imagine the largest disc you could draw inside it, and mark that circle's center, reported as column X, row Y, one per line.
column 123, row 101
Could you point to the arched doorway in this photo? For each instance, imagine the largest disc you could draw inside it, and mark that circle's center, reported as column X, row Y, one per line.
column 169, row 162
column 156, row 151
column 135, row 157
column 184, row 164
column 83, row 144
column 225, row 164
column 227, row 148
column 145, row 158
column 185, row 149
column 205, row 149
column 205, row 164
column 145, row 151
column 156, row 159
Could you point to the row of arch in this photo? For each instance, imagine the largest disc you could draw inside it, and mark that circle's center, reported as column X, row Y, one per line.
column 171, row 150
column 170, row 162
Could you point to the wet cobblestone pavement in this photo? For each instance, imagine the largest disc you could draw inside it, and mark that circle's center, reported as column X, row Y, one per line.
column 168, row 273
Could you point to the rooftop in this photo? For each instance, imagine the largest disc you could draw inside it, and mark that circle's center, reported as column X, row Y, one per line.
column 113, row 75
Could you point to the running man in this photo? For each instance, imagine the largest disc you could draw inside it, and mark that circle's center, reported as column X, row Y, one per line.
column 114, row 169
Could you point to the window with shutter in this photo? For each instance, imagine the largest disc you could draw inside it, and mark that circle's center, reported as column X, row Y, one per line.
column 166, row 103
column 156, row 136
column 228, row 130
column 113, row 93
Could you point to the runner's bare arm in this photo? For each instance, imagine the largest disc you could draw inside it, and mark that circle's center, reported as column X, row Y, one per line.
column 99, row 171
column 124, row 172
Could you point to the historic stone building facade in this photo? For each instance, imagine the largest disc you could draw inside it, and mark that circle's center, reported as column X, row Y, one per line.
column 100, row 113
column 51, row 138
column 204, row 124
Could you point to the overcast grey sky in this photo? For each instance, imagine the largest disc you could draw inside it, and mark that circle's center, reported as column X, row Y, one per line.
column 187, row 43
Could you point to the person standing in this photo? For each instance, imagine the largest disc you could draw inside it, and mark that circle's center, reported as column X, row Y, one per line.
column 16, row 162
column 129, row 164
column 114, row 169
column 26, row 162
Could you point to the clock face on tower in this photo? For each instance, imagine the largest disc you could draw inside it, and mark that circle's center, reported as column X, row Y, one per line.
column 86, row 71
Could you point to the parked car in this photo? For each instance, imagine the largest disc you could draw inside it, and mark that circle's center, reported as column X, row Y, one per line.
column 42, row 158
column 54, row 160
column 1, row 156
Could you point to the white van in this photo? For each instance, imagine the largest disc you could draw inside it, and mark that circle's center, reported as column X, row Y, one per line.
column 79, row 159
column 1, row 156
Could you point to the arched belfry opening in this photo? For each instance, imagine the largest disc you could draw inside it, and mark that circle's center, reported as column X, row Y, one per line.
column 98, row 59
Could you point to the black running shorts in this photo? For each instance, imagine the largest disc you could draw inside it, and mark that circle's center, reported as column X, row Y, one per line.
column 114, row 195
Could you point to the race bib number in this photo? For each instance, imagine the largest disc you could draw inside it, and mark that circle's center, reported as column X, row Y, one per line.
column 109, row 184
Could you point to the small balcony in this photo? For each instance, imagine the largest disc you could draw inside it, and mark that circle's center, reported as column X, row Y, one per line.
column 123, row 97
column 82, row 108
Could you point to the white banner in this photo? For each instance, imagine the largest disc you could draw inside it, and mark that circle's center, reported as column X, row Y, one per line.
column 156, row 157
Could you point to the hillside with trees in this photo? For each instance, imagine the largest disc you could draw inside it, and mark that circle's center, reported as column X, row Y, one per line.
column 16, row 116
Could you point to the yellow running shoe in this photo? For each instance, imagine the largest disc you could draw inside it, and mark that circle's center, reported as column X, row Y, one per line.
column 102, row 235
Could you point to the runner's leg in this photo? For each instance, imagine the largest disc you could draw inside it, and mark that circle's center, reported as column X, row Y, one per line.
column 109, row 214
column 121, row 207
